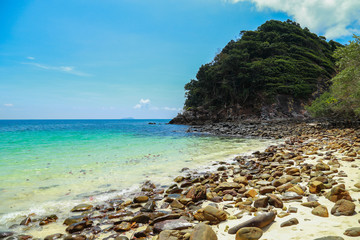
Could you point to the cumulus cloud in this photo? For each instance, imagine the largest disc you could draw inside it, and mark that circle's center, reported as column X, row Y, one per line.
column 143, row 103
column 66, row 69
column 8, row 105
column 332, row 18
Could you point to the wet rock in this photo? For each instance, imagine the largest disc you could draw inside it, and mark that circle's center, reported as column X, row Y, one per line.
column 177, row 205
column 179, row 179
column 261, row 202
column 124, row 226
column 166, row 217
column 197, row 193
column 149, row 207
column 203, row 232
column 249, row 233
column 75, row 237
column 54, row 236
column 320, row 211
column 211, row 214
column 141, row 218
column 140, row 199
column 26, row 221
column 268, row 189
column 343, row 207
column 228, row 197
column 176, row 224
column 352, row 232
column 78, row 227
column 6, row 234
column 48, row 219
column 337, row 193
column 23, row 237
column 330, row 238
column 261, row 220
column 275, row 201
column 82, row 208
column 316, row 186
column 228, row 185
column 290, row 222
column 73, row 219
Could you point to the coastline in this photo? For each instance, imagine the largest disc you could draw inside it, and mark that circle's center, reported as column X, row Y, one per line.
column 180, row 201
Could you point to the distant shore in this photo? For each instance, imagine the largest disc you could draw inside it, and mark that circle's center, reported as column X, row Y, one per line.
column 303, row 178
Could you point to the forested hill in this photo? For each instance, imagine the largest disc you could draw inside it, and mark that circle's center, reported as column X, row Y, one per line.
column 269, row 72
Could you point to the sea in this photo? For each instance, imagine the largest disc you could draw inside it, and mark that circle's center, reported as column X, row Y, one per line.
column 49, row 166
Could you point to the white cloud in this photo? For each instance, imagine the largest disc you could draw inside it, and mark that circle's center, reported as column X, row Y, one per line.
column 143, row 103
column 332, row 18
column 30, row 58
column 8, row 104
column 170, row 109
column 66, row 69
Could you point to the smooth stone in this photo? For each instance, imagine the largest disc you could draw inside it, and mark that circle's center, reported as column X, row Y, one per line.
column 296, row 189
column 320, row 211
column 310, row 204
column 54, row 236
column 338, row 192
column 265, row 190
column 261, row 220
column 141, row 218
column 316, row 186
column 261, row 202
column 179, row 179
column 352, row 232
column 176, row 224
column 26, row 221
column 287, row 196
column 166, row 217
column 149, row 207
column 290, row 222
column 211, row 214
column 197, row 193
column 250, row 193
column 330, row 238
column 275, row 201
column 48, row 219
column 177, row 205
column 203, row 232
column 228, row 197
column 75, row 237
column 82, row 207
column 73, row 219
column 124, row 226
column 141, row 199
column 249, row 233
column 78, row 227
column 343, row 207
column 6, row 234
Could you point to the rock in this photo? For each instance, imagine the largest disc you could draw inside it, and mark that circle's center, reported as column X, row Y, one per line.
column 211, row 214
column 6, row 234
column 141, row 199
column 330, row 238
column 250, row 193
column 48, row 219
column 141, row 218
column 82, row 208
column 261, row 220
column 73, row 219
column 279, row 182
column 149, row 207
column 121, row 238
column 166, row 217
column 338, row 192
column 54, row 236
column 316, row 186
column 296, row 189
column 75, row 237
column 26, row 221
column 227, row 185
column 261, row 202
column 292, row 209
column 249, row 233
column 275, row 201
column 284, row 187
column 78, row 227
column 290, row 222
column 124, row 226
column 242, row 180
column 352, row 232
column 203, row 232
column 179, row 179
column 343, row 207
column 265, row 190
column 320, row 211
column 177, row 205
column 348, row 159
column 293, row 171
column 197, row 193
column 287, row 196
column 322, row 167
column 310, row 204
column 175, row 224
column 357, row 185
column 228, row 197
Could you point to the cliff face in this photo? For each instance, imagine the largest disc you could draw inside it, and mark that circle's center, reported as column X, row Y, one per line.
column 284, row 107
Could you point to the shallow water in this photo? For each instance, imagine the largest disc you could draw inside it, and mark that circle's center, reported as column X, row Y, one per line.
column 49, row 165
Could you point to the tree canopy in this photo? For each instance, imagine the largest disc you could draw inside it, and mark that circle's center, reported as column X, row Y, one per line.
column 343, row 98
column 277, row 58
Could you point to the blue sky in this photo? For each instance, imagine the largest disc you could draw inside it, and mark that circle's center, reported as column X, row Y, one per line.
column 130, row 58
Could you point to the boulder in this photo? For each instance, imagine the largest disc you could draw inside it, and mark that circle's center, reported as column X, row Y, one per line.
column 249, row 233
column 261, row 220
column 197, row 193
column 290, row 222
column 343, row 207
column 203, row 232
column 352, row 232
column 320, row 211
column 82, row 207
column 211, row 214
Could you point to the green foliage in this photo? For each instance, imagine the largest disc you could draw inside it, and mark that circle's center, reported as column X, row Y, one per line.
column 343, row 98
column 277, row 58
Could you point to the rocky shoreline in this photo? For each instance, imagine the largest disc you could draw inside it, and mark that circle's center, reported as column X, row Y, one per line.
column 306, row 188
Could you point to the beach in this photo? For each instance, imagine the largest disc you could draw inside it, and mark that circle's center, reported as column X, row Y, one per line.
column 287, row 179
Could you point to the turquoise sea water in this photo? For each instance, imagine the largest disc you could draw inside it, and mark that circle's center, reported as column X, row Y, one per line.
column 46, row 165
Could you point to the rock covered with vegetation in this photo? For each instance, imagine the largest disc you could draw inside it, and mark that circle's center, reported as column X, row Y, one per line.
column 271, row 72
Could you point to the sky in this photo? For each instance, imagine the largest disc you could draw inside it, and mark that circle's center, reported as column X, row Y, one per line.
column 112, row 59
